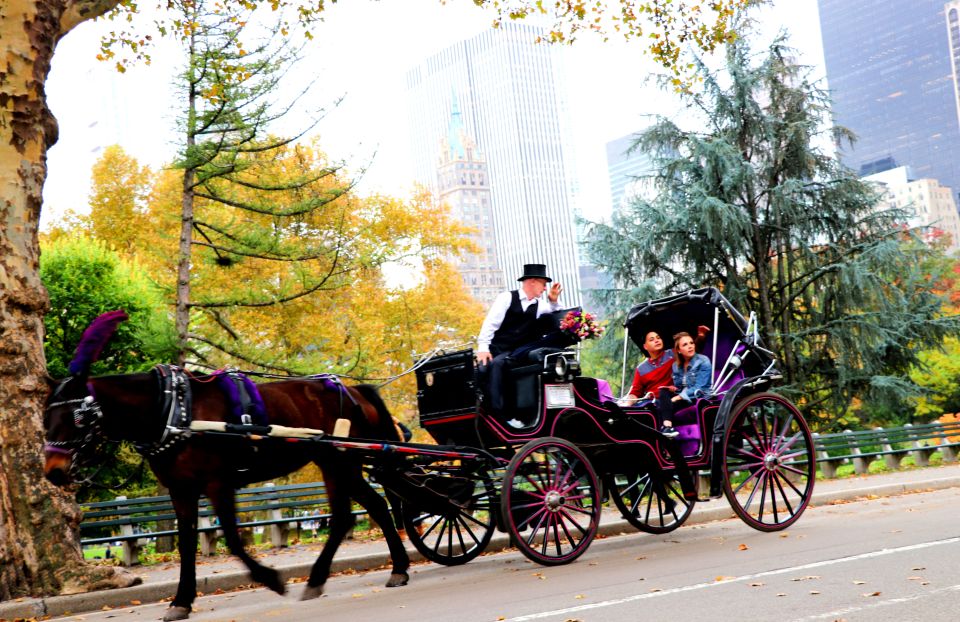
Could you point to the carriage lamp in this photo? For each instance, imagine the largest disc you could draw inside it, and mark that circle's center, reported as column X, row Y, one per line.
column 560, row 367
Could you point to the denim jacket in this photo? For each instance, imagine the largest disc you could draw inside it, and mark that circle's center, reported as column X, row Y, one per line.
column 696, row 381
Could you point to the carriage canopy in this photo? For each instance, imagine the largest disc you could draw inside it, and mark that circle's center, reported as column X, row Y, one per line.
column 731, row 333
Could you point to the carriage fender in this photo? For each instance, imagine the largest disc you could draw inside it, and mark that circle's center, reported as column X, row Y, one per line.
column 730, row 399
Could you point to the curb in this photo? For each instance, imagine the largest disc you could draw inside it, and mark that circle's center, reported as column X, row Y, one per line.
column 55, row 606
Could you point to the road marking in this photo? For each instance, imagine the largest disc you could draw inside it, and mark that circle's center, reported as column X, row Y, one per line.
column 832, row 615
column 750, row 577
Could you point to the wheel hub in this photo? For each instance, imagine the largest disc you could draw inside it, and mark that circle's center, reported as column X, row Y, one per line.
column 771, row 461
column 554, row 501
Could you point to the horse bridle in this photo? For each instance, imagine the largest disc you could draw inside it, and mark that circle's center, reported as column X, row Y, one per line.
column 87, row 417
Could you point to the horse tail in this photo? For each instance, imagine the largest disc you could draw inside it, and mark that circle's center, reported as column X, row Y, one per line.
column 387, row 429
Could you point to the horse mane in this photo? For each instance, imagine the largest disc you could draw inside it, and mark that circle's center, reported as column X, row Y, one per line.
column 94, row 338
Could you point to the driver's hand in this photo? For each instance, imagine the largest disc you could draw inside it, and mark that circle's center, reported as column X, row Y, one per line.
column 555, row 290
column 484, row 357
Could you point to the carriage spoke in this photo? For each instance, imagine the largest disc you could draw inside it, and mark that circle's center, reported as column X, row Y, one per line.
column 647, row 486
column 783, row 493
column 753, row 475
column 466, row 527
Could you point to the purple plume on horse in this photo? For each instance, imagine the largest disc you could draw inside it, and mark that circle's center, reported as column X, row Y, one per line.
column 94, row 338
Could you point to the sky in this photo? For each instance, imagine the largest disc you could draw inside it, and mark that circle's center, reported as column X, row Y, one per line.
column 362, row 52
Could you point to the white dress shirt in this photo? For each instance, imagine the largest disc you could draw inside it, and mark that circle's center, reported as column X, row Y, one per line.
column 498, row 310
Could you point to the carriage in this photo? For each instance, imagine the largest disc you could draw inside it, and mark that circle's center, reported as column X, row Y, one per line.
column 567, row 446
column 541, row 472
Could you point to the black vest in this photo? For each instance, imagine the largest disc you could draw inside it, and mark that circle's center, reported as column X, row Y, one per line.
column 518, row 327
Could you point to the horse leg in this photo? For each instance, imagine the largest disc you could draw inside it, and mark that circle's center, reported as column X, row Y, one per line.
column 378, row 511
column 185, row 505
column 341, row 522
column 223, row 498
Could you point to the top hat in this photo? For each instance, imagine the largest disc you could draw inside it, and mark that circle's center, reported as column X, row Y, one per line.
column 535, row 271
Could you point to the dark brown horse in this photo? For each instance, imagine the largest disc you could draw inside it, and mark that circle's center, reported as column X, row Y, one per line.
column 150, row 409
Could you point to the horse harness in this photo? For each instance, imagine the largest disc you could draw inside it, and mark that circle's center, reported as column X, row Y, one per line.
column 175, row 401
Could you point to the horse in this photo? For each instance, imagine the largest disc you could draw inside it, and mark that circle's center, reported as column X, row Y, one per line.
column 149, row 409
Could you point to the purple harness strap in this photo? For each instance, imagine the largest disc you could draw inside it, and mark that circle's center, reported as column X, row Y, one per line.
column 243, row 397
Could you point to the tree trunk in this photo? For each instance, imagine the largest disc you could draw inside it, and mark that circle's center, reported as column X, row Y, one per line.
column 39, row 543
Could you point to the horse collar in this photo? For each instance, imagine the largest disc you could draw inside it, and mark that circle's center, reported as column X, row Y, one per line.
column 175, row 403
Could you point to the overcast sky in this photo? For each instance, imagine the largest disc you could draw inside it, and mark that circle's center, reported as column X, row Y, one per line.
column 361, row 52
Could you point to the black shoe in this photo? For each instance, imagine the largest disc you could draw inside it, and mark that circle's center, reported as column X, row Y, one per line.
column 669, row 431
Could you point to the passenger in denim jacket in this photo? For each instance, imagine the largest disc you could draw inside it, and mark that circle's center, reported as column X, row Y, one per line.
column 695, row 379
column 692, row 377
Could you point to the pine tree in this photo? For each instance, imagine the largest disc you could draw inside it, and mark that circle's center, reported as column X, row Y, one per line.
column 750, row 203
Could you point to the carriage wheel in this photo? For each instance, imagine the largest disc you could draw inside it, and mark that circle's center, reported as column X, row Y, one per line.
column 769, row 462
column 462, row 532
column 550, row 501
column 636, row 498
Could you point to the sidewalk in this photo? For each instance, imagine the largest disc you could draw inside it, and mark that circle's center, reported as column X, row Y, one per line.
column 224, row 572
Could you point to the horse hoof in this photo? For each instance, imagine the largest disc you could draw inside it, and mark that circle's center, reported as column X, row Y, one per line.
column 270, row 579
column 310, row 592
column 398, row 579
column 176, row 613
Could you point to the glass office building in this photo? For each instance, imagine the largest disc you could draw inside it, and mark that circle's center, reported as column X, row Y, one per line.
column 893, row 84
column 509, row 94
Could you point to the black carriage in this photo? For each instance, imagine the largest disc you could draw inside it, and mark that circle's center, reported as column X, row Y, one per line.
column 564, row 435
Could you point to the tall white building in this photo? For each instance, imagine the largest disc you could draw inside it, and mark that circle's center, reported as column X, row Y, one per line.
column 932, row 204
column 510, row 102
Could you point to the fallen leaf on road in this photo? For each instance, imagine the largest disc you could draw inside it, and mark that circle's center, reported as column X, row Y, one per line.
column 781, row 594
column 106, row 608
column 641, row 557
column 859, row 582
column 356, row 596
column 757, row 584
column 743, row 547
column 655, row 589
column 806, row 578
column 501, row 617
column 814, row 592
column 914, row 578
column 723, row 578
column 872, row 594
column 924, row 583
column 919, row 568
column 579, row 596
column 785, row 535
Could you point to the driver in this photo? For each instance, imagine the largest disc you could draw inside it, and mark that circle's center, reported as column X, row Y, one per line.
column 511, row 324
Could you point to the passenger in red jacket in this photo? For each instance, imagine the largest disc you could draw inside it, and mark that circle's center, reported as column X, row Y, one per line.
column 656, row 370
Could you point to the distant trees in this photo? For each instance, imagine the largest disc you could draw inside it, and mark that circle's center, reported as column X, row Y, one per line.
column 844, row 293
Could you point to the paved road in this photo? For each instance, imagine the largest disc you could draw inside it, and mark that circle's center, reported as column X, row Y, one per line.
column 883, row 558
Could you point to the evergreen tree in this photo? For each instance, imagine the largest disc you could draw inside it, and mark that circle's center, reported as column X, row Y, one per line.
column 230, row 211
column 842, row 289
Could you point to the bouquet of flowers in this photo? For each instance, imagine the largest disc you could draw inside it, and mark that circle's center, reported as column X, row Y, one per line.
column 580, row 325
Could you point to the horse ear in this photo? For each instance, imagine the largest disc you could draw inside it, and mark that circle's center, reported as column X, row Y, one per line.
column 94, row 338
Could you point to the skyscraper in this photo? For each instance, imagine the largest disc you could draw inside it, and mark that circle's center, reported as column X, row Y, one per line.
column 507, row 88
column 463, row 183
column 892, row 82
column 625, row 169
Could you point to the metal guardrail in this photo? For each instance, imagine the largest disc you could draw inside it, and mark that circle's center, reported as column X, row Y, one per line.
column 892, row 444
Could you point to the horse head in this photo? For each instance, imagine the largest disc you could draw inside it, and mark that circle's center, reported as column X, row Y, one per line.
column 71, row 416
